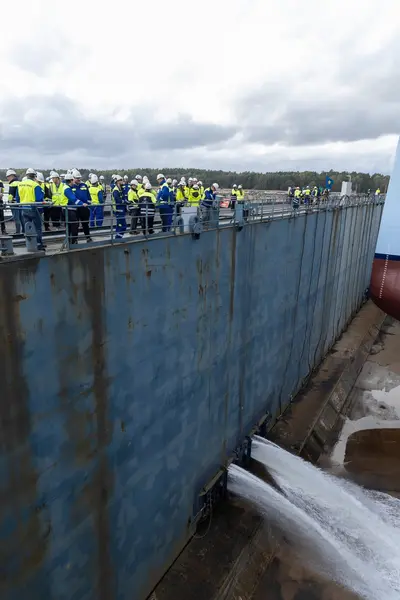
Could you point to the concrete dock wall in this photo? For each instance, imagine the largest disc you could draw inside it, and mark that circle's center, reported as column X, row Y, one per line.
column 130, row 373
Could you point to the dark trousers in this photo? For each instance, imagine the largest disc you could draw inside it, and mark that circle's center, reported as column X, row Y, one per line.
column 134, row 212
column 83, row 214
column 32, row 215
column 72, row 226
column 147, row 224
column 57, row 215
column 120, row 226
column 47, row 217
column 2, row 223
column 166, row 212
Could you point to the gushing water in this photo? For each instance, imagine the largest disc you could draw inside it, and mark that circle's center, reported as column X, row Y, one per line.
column 348, row 534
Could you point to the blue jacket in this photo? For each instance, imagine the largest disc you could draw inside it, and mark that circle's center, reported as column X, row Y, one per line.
column 81, row 192
column 164, row 194
column 72, row 199
column 119, row 200
column 209, row 197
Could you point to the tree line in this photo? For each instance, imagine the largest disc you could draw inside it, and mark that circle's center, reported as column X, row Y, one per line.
column 280, row 180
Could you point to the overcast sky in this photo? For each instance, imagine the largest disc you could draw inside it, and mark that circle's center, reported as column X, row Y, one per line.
column 232, row 84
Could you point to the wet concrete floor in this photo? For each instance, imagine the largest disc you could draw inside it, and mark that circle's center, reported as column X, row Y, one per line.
column 368, row 452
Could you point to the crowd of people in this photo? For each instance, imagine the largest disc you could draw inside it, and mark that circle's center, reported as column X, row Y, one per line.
column 306, row 195
column 66, row 199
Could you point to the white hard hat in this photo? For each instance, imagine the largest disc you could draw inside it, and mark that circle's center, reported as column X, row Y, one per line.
column 216, row 186
column 10, row 172
column 30, row 171
column 69, row 177
column 90, row 174
column 200, row 182
column 134, row 182
column 40, row 177
column 190, row 179
column 240, row 187
column 118, row 178
column 76, row 174
column 183, row 179
column 234, row 185
column 113, row 176
column 145, row 178
column 126, row 177
column 174, row 181
column 194, row 179
column 147, row 186
column 169, row 180
column 54, row 174
column 138, row 178
column 93, row 178
column 101, row 176
column 63, row 175
column 160, row 176
column 195, row 187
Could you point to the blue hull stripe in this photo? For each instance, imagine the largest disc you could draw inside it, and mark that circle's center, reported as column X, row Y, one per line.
column 387, row 256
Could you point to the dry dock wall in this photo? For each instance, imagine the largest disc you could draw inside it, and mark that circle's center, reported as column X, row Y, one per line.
column 129, row 374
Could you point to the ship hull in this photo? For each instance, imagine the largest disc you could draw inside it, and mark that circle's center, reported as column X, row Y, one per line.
column 385, row 283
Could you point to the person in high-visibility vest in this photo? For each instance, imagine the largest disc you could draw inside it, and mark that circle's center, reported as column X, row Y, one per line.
column 29, row 194
column 133, row 205
column 97, row 201
column 119, row 203
column 13, row 182
column 81, row 192
column 70, row 203
column 307, row 195
column 147, row 209
column 201, row 188
column 165, row 203
column 56, row 193
column 233, row 197
column 139, row 179
column 207, row 203
column 181, row 197
column 194, row 198
column 240, row 194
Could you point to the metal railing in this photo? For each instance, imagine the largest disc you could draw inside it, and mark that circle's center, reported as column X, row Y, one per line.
column 127, row 222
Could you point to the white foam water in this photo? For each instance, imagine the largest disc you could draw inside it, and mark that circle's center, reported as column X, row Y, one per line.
column 347, row 534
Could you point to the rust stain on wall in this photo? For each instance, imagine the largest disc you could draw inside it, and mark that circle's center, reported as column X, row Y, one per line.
column 94, row 268
column 29, row 540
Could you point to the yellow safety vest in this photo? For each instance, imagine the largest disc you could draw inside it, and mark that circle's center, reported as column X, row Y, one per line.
column 133, row 196
column 149, row 195
column 26, row 190
column 240, row 195
column 234, row 192
column 121, row 197
column 94, row 193
column 57, row 193
column 180, row 195
column 194, row 197
column 307, row 192
column 297, row 193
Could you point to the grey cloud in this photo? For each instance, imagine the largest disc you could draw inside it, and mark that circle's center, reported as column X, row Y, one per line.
column 361, row 102
column 53, row 125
